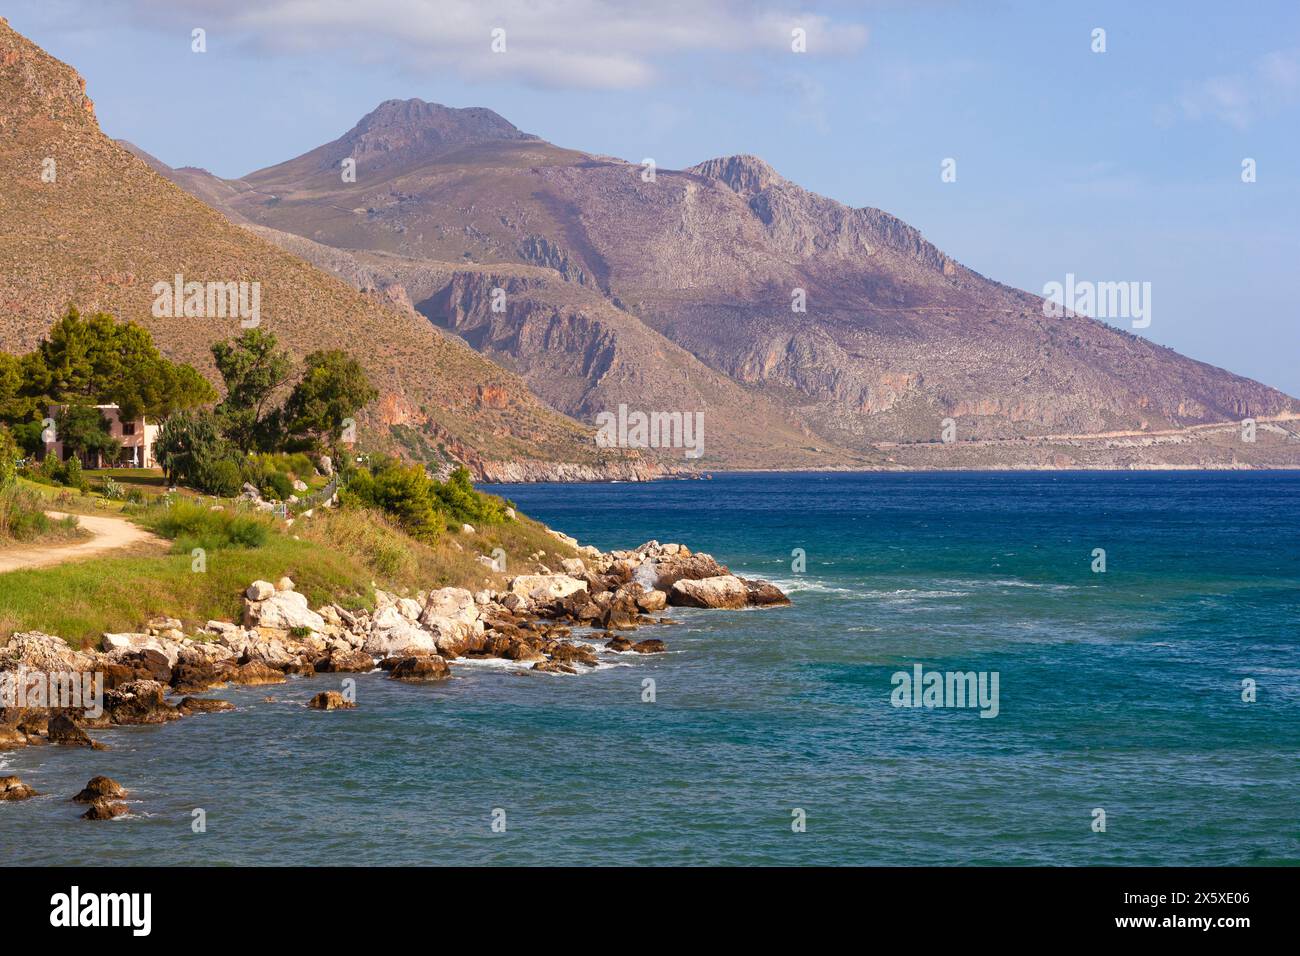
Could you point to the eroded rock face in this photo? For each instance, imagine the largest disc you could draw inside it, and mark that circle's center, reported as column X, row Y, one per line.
column 721, row 591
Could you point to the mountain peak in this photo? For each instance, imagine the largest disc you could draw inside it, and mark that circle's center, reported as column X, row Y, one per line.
column 745, row 174
column 415, row 129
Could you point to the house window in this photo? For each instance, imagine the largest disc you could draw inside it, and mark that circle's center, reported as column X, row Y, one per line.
column 128, row 428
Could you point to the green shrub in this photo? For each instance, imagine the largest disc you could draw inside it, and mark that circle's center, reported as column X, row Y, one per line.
column 8, row 459
column 23, row 517
column 194, row 525
column 276, row 484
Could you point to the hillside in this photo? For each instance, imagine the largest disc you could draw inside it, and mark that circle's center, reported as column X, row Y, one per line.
column 688, row 281
column 104, row 228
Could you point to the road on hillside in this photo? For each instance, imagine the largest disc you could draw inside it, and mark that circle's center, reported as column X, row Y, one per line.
column 107, row 534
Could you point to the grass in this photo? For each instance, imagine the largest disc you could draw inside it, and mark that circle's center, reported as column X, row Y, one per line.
column 191, row 525
column 335, row 556
column 23, row 519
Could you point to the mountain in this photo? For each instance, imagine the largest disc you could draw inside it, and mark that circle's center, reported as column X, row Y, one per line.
column 681, row 291
column 88, row 222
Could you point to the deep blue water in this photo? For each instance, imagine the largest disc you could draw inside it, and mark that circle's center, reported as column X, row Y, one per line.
column 1119, row 690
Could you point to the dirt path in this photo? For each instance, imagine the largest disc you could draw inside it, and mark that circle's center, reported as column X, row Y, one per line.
column 108, row 534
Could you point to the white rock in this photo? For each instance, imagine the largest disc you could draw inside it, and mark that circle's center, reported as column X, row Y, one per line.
column 285, row 610
column 299, row 485
column 391, row 634
column 467, row 529
column 409, row 608
column 545, row 587
column 118, row 645
column 722, row 591
column 284, row 584
column 572, row 565
column 259, row 590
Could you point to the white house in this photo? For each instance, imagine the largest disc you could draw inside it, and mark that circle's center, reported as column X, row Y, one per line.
column 136, row 435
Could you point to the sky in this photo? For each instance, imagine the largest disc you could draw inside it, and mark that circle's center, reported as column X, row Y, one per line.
column 1115, row 165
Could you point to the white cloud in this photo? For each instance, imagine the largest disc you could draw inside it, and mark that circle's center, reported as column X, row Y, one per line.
column 1238, row 99
column 605, row 44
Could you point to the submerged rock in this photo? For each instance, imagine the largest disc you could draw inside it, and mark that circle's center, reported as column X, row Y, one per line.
column 203, row 705
column 11, row 788
column 330, row 700
column 104, row 809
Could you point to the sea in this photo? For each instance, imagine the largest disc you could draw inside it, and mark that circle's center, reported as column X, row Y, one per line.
column 1141, row 631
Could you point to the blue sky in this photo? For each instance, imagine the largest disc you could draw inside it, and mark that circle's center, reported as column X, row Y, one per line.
column 1115, row 166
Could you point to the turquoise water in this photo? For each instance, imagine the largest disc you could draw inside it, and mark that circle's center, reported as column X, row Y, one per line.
column 1118, row 690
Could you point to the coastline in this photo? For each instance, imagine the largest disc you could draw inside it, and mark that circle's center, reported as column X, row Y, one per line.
column 569, row 621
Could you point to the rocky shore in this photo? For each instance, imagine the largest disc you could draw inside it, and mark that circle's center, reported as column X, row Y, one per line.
column 152, row 676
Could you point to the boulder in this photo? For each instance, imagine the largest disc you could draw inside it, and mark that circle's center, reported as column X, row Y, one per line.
column 671, row 568
column 196, row 677
column 255, row 672
column 653, row 600
column 121, row 646
column 544, row 588
column 203, row 705
column 720, row 591
column 260, row 591
column 139, row 702
column 392, row 635
column 37, row 651
column 64, row 730
column 105, row 810
column 651, row 646
column 330, row 700
column 618, row 643
column 11, row 788
column 425, row 667
column 568, row 653
column 554, row 667
column 284, row 584
column 283, row 610
column 765, row 594
column 339, row 661
column 100, row 788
